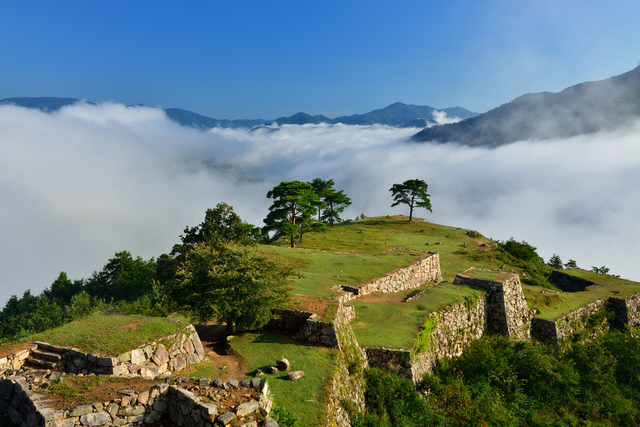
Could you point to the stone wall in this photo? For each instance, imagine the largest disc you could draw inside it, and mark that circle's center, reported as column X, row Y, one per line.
column 569, row 283
column 589, row 318
column 454, row 328
column 160, row 357
column 627, row 310
column 13, row 361
column 289, row 320
column 347, row 385
column 508, row 312
column 27, row 407
column 402, row 279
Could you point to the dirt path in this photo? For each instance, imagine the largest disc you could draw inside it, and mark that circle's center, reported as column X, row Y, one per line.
column 214, row 340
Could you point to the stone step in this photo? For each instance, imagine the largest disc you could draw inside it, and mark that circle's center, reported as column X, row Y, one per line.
column 45, row 355
column 39, row 364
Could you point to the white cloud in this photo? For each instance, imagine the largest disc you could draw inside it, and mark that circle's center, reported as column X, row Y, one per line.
column 80, row 184
column 441, row 118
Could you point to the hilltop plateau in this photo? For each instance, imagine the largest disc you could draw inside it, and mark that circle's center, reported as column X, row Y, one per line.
column 371, row 271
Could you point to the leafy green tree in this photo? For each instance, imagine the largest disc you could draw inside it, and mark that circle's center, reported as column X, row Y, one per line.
column 571, row 264
column 520, row 250
column 413, row 193
column 600, row 270
column 63, row 288
column 321, row 187
column 293, row 204
column 224, row 224
column 123, row 278
column 336, row 201
column 555, row 262
column 235, row 283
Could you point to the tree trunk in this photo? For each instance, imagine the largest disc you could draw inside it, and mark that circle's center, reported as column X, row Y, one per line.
column 230, row 327
column 293, row 241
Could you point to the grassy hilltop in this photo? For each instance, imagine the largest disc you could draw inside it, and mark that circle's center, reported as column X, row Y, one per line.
column 353, row 253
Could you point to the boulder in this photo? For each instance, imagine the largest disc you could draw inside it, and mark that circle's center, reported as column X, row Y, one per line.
column 294, row 375
column 283, row 364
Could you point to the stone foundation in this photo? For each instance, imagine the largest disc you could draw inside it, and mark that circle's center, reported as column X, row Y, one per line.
column 402, row 279
column 26, row 406
column 508, row 312
column 587, row 318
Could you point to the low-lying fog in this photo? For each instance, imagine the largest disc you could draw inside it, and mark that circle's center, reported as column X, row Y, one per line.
column 82, row 183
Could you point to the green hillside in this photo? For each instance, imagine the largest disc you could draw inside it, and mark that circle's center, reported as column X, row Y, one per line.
column 581, row 109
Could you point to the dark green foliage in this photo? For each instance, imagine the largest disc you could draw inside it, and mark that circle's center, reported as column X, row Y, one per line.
column 392, row 400
column 524, row 255
column 321, row 187
column 497, row 382
column 122, row 278
column 223, row 224
column 600, row 270
column 555, row 262
column 520, row 250
column 336, row 202
column 571, row 264
column 63, row 288
column 231, row 282
column 293, row 204
column 284, row 416
column 333, row 202
column 413, row 193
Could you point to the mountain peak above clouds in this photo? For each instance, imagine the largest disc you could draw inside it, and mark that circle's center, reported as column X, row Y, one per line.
column 397, row 114
column 577, row 110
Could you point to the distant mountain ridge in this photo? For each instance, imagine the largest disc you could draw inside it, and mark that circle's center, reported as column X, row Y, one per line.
column 397, row 114
column 577, row 110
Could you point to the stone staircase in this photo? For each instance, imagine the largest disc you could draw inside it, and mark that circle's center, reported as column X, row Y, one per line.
column 42, row 356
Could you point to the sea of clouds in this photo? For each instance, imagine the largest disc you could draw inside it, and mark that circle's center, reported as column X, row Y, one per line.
column 82, row 183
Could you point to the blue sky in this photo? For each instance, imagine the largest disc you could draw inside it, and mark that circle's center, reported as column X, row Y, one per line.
column 257, row 59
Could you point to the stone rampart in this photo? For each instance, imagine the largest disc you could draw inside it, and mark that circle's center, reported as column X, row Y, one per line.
column 508, row 312
column 160, row 357
column 569, row 283
column 347, row 385
column 590, row 319
column 446, row 333
column 627, row 310
column 27, row 406
column 402, row 279
column 289, row 320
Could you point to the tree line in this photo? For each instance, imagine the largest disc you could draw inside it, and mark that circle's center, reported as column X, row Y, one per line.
column 214, row 271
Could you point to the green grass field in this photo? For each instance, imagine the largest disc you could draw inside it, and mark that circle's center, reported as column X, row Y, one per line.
column 386, row 321
column 553, row 305
column 110, row 333
column 322, row 270
column 305, row 396
column 373, row 236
